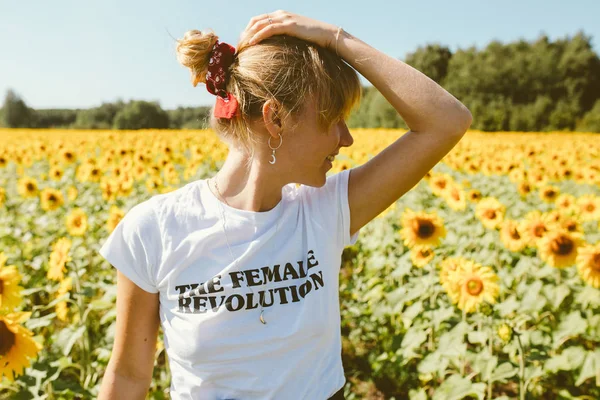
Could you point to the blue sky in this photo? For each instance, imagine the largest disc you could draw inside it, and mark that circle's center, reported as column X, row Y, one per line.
column 78, row 54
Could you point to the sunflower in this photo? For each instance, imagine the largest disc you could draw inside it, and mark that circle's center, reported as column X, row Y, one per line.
column 56, row 173
column 455, row 197
column 535, row 226
column 61, row 307
column 438, row 183
column 549, row 193
column 68, row 156
column 27, row 187
column 448, row 268
column 589, row 207
column 16, row 345
column 72, row 193
column 2, row 196
column 115, row 215
column 566, row 203
column 477, row 284
column 490, row 212
column 420, row 255
column 559, row 247
column 139, row 171
column 10, row 291
column 588, row 264
column 77, row 222
column 58, row 258
column 51, row 199
column 474, row 195
column 154, row 183
column 110, row 188
column 125, row 185
column 420, row 228
column 511, row 235
column 524, row 188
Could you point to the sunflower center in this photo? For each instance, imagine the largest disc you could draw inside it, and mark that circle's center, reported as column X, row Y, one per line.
column 514, row 233
column 30, row 187
column 571, row 226
column 77, row 222
column 474, row 286
column 539, row 230
column 7, row 339
column 490, row 214
column 1, row 286
column 595, row 264
column 425, row 228
column 589, row 207
column 562, row 245
column 52, row 198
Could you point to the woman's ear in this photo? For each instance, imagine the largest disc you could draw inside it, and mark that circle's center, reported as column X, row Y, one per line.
column 271, row 117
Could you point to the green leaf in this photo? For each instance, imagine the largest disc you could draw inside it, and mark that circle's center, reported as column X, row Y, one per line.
column 504, row 371
column 572, row 325
column 556, row 294
column 571, row 358
column 477, row 337
column 591, row 367
column 413, row 339
column 411, row 312
column 417, row 394
column 532, row 301
column 67, row 338
column 456, row 387
column 508, row 306
column 34, row 323
column 440, row 315
column 588, row 297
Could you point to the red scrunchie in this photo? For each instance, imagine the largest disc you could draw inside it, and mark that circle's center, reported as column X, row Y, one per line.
column 221, row 57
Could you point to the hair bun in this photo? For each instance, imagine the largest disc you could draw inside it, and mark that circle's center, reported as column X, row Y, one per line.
column 193, row 52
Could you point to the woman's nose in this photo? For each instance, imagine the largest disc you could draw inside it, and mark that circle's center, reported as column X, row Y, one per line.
column 346, row 138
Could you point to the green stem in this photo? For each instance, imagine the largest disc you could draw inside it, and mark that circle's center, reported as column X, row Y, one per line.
column 84, row 342
column 491, row 349
column 521, row 368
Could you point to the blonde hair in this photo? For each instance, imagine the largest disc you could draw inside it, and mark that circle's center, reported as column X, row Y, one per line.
column 282, row 68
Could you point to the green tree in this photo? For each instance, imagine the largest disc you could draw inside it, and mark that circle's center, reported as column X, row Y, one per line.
column 15, row 113
column 432, row 60
column 591, row 120
column 141, row 115
column 101, row 117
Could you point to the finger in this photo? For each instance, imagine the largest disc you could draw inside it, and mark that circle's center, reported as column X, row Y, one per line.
column 255, row 19
column 269, row 30
column 262, row 28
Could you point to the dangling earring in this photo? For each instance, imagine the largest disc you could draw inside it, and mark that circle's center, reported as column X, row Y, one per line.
column 275, row 148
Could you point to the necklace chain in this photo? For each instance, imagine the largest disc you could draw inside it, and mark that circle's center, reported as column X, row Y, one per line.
column 227, row 239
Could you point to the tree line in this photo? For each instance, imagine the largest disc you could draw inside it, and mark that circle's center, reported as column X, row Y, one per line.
column 519, row 86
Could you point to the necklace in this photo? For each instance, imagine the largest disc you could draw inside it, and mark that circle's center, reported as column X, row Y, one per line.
column 261, row 318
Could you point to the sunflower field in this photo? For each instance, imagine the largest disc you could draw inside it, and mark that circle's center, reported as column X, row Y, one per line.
column 481, row 282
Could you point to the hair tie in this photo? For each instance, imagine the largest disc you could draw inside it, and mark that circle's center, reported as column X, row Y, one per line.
column 221, row 57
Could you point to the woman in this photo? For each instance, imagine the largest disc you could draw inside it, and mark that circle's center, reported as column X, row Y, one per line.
column 245, row 265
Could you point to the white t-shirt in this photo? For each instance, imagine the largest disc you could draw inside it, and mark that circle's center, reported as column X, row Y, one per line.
column 174, row 244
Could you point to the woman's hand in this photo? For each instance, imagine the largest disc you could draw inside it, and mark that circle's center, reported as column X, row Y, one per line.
column 287, row 23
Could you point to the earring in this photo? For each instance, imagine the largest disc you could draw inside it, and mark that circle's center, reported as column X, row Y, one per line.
column 275, row 148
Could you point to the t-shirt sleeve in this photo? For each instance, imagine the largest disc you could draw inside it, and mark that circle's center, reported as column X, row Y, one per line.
column 330, row 202
column 134, row 246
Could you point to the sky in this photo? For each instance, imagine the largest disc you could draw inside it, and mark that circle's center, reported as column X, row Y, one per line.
column 79, row 54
